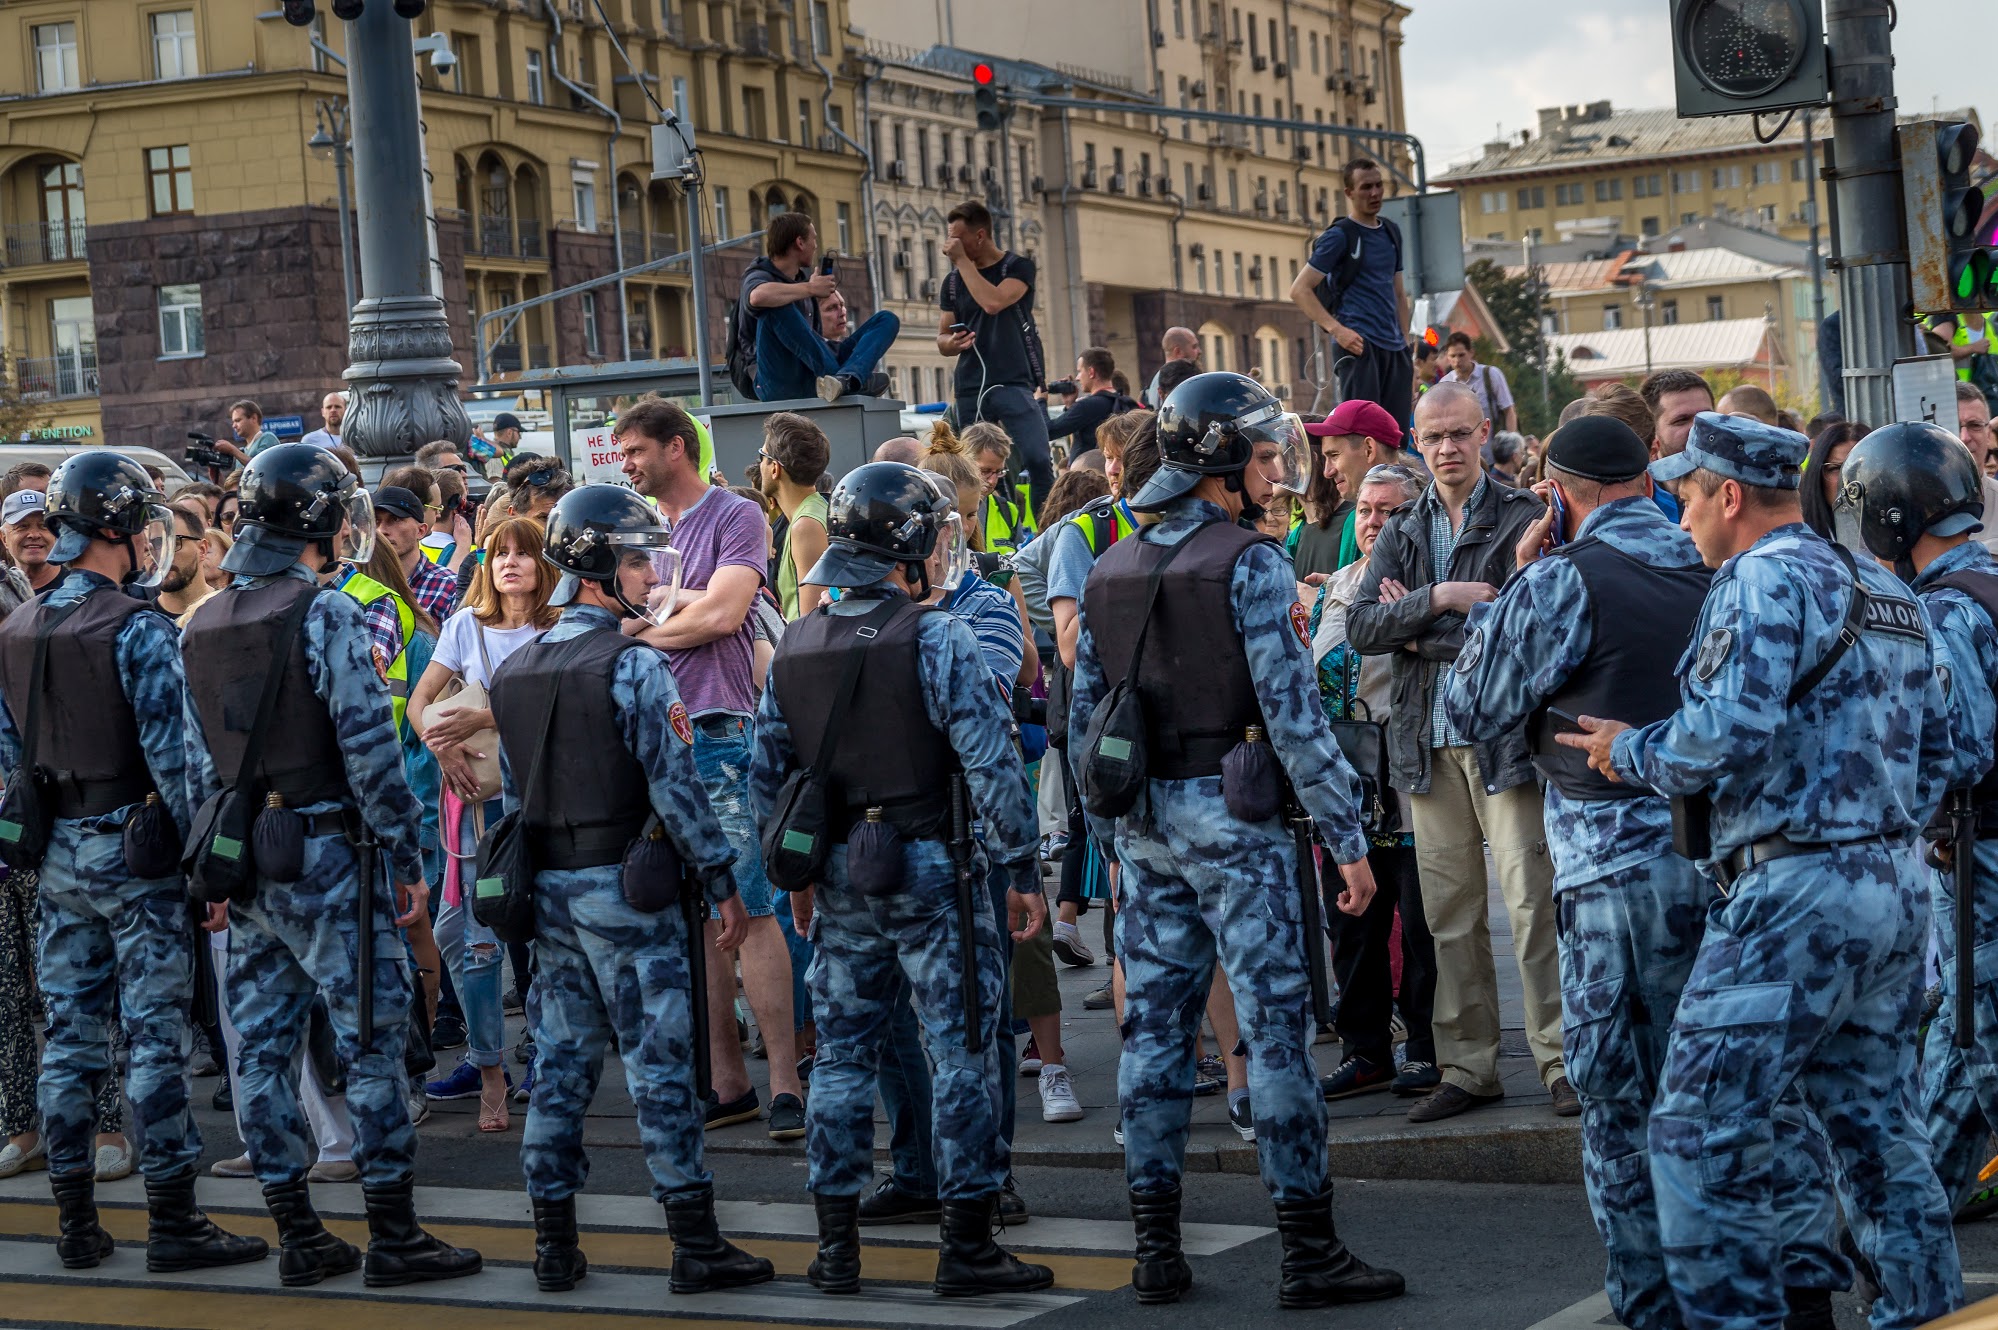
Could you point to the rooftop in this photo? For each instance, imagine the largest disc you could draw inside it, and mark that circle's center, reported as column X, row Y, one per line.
column 1615, row 352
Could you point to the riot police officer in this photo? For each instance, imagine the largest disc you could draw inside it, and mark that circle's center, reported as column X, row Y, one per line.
column 1810, row 745
column 1214, row 645
column 1916, row 494
column 92, row 680
column 906, row 748
column 1604, row 603
column 598, row 754
column 334, row 780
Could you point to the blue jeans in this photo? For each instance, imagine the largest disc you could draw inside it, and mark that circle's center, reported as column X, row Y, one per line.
column 905, row 1082
column 1025, row 421
column 472, row 958
column 721, row 756
column 790, row 357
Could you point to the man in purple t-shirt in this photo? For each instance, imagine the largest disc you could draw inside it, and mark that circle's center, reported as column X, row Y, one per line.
column 724, row 545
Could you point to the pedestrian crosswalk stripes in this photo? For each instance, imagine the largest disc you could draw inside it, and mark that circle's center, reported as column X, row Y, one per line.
column 1593, row 1312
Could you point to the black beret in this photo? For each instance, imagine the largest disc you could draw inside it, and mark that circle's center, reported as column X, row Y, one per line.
column 1598, row 448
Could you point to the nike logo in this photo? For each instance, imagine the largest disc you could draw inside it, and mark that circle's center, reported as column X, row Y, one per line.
column 1356, row 248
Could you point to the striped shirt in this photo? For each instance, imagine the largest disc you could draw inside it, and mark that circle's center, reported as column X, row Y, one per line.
column 1442, row 544
column 988, row 610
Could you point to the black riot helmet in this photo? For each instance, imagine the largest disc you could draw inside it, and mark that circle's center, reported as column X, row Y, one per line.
column 98, row 491
column 1215, row 424
column 887, row 514
column 1907, row 480
column 594, row 531
column 291, row 496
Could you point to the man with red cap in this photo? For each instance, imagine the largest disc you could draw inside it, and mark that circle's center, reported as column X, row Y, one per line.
column 1355, row 438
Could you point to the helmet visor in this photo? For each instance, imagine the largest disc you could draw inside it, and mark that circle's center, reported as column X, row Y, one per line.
column 1277, row 448
column 950, row 557
column 647, row 559
column 356, row 543
column 153, row 547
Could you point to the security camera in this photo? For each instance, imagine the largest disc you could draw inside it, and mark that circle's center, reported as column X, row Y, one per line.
column 443, row 61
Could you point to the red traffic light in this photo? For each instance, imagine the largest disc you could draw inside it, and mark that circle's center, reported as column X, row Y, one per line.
column 981, row 74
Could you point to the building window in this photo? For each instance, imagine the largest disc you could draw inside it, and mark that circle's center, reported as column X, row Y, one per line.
column 1567, row 195
column 180, row 321
column 172, row 180
column 1179, row 18
column 1612, row 317
column 1716, row 308
column 1768, row 213
column 1200, row 273
column 1608, row 191
column 680, row 99
column 1234, row 191
column 1649, row 226
column 843, row 228
column 1241, row 287
column 586, row 205
column 1491, row 200
column 173, row 45
column 1646, row 186
column 537, row 85
column 752, row 113
column 1668, row 312
column 1767, row 173
column 804, row 123
column 593, row 342
column 1688, row 218
column 821, row 28
column 1685, row 182
column 55, row 57
column 1796, row 168
column 722, row 231
column 1532, row 196
column 1726, row 177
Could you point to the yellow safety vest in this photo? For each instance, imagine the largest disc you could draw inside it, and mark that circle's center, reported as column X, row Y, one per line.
column 367, row 590
column 1007, row 524
column 1099, row 512
column 1964, row 324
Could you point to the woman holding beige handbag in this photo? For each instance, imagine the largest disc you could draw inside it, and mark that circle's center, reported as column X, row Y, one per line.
column 506, row 607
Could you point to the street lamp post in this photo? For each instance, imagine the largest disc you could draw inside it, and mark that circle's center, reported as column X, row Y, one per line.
column 1645, row 300
column 337, row 143
column 402, row 380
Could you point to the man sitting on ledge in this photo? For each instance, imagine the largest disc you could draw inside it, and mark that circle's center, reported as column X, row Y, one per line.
column 780, row 298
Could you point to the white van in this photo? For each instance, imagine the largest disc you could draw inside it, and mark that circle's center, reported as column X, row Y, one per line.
column 54, row 452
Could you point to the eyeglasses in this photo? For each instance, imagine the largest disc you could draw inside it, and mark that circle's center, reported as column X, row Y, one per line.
column 542, row 477
column 1457, row 436
column 766, row 457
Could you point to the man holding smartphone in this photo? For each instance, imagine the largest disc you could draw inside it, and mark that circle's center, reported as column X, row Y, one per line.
column 779, row 311
column 988, row 327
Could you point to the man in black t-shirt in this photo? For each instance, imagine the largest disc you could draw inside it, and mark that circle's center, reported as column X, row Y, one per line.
column 1095, row 400
column 988, row 324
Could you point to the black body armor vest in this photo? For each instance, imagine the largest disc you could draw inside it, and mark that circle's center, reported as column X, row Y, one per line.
column 89, row 737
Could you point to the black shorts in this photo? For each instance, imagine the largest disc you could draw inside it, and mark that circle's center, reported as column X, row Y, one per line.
column 1384, row 375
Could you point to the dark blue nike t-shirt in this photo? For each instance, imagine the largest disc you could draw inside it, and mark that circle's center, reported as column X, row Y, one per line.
column 1369, row 305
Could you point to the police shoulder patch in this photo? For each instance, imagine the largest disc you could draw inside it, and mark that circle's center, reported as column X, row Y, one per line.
column 676, row 716
column 1887, row 614
column 1300, row 622
column 381, row 661
column 1715, row 648
column 1473, row 651
column 1943, row 677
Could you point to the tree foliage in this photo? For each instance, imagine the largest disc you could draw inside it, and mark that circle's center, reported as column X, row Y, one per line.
column 19, row 413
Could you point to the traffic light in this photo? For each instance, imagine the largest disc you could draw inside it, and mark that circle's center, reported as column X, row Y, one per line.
column 1730, row 57
column 985, row 98
column 1949, row 268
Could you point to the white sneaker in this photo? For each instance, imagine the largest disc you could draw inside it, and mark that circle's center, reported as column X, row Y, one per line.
column 1068, row 945
column 419, row 1108
column 114, row 1162
column 1117, row 1130
column 1058, row 1101
column 13, row 1159
column 239, row 1167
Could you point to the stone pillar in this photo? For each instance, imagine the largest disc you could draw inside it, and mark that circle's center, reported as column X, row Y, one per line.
column 402, row 382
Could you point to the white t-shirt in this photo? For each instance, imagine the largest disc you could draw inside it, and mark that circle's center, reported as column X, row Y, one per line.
column 458, row 646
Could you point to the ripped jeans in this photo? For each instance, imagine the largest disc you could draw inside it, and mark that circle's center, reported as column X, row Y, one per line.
column 473, row 955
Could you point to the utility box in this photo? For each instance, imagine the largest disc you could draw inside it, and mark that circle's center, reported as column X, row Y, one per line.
column 854, row 427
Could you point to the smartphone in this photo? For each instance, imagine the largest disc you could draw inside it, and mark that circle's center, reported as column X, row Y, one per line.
column 960, row 327
column 826, row 262
column 1565, row 719
column 1557, row 534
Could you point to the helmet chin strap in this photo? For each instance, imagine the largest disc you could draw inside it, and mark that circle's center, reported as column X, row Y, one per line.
column 631, row 611
column 922, row 577
column 1251, row 511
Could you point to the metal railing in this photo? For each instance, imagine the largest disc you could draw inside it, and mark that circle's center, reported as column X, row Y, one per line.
column 68, row 374
column 29, row 243
column 533, row 240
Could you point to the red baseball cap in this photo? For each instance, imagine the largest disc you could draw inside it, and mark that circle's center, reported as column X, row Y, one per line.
column 1356, row 416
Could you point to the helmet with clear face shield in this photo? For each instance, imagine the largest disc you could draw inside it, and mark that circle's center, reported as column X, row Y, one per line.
column 103, row 495
column 292, row 495
column 609, row 535
column 888, row 514
column 1220, row 424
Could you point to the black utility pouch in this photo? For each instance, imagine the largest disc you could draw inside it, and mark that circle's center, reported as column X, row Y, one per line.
column 152, row 842
column 651, row 873
column 1251, row 780
column 874, row 856
column 278, row 842
column 1692, row 826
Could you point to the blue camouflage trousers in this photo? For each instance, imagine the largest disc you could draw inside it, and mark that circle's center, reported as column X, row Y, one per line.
column 1809, row 975
column 1960, row 1085
column 606, row 972
column 862, row 944
column 113, row 949
column 288, row 944
column 1198, row 884
column 1628, row 941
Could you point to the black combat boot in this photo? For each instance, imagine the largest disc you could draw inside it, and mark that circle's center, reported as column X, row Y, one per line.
column 180, row 1237
column 559, row 1263
column 307, row 1253
column 702, row 1260
column 1809, row 1309
column 1161, row 1273
column 1318, row 1271
column 837, row 1266
column 969, row 1262
column 399, row 1251
column 83, row 1242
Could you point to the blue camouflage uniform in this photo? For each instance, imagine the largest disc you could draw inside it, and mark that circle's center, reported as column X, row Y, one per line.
column 610, row 975
column 294, row 941
column 1198, row 883
column 112, row 948
column 1810, row 972
column 863, row 942
column 1630, row 915
column 1959, row 1085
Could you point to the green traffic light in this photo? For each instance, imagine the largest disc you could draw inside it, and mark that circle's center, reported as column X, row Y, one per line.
column 1972, row 276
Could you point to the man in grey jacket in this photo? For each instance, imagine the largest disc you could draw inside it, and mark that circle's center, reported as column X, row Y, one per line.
column 1451, row 548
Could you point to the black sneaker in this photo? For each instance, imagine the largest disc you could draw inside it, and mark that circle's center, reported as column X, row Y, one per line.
column 1355, row 1076
column 889, row 1204
column 787, row 1116
column 1242, row 1119
column 448, row 1033
column 224, row 1100
column 741, row 1109
column 513, row 1004
column 1416, row 1079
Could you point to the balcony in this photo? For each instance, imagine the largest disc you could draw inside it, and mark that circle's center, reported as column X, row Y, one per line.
column 52, row 378
column 30, row 243
column 505, row 358
column 646, row 246
column 501, row 237
column 533, row 242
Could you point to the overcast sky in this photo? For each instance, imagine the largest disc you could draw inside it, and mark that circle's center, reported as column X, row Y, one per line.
column 1478, row 69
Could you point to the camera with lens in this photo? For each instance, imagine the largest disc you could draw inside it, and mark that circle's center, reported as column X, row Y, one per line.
column 1062, row 388
column 201, row 451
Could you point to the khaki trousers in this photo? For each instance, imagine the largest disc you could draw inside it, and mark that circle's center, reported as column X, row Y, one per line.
column 1450, row 822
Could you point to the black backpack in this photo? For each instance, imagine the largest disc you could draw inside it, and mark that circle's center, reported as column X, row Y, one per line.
column 739, row 336
column 1332, row 291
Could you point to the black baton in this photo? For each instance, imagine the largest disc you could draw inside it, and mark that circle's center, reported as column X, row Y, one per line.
column 364, row 942
column 1311, row 908
column 694, row 911
column 1963, row 868
column 967, row 912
